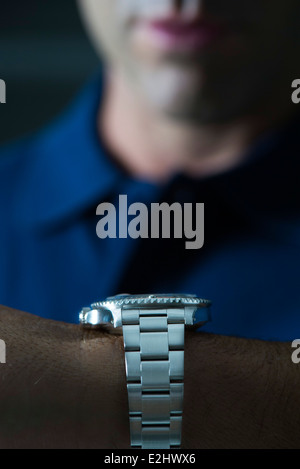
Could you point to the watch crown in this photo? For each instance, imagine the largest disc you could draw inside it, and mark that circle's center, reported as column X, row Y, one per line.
column 83, row 315
column 95, row 316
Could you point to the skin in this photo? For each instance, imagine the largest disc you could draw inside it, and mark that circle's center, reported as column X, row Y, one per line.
column 210, row 104
column 59, row 390
column 65, row 388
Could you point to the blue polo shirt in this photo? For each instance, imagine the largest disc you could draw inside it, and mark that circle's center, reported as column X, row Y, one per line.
column 52, row 262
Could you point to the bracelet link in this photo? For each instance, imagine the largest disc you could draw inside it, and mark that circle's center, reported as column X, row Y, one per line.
column 154, row 358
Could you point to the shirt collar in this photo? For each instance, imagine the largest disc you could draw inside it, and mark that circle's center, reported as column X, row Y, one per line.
column 71, row 171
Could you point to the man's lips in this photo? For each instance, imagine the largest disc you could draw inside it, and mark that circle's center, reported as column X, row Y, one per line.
column 172, row 35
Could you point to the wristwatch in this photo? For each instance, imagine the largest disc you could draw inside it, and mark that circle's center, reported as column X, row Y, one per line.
column 153, row 330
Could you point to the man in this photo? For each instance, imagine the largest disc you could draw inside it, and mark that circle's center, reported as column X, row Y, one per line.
column 194, row 107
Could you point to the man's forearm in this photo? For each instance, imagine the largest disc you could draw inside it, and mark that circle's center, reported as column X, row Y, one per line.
column 240, row 393
column 63, row 387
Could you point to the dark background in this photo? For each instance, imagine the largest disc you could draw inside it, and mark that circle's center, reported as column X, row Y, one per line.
column 45, row 57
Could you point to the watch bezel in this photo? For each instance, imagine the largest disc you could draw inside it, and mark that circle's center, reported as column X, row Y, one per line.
column 109, row 311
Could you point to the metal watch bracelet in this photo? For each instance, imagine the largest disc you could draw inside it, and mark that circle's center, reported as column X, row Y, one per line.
column 153, row 327
column 154, row 359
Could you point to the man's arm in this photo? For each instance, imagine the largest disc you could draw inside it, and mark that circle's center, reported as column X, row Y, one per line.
column 63, row 387
column 240, row 393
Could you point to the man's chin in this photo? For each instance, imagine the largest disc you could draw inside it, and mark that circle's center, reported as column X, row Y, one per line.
column 172, row 91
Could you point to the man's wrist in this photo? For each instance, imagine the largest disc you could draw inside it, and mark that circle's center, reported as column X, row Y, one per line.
column 240, row 393
column 60, row 387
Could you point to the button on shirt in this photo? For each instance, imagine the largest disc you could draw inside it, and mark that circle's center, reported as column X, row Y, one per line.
column 52, row 262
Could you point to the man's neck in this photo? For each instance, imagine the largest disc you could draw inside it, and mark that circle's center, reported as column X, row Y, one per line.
column 154, row 148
